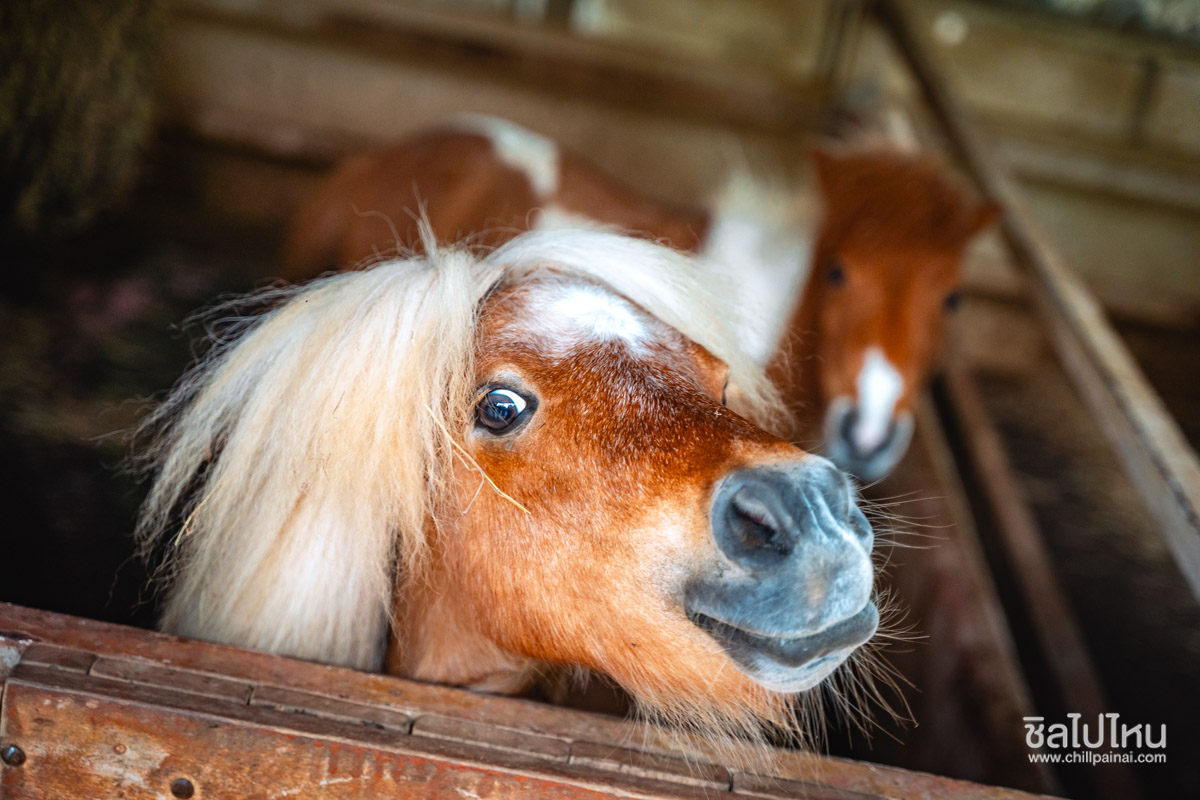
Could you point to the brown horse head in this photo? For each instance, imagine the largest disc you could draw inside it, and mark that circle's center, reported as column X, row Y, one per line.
column 552, row 456
column 886, row 271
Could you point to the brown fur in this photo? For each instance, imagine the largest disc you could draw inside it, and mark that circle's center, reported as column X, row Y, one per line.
column 370, row 206
column 663, row 422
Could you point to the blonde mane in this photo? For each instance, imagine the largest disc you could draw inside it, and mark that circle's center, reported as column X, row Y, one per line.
column 296, row 467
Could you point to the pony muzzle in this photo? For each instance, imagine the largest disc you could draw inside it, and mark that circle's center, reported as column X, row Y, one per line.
column 861, row 443
column 790, row 595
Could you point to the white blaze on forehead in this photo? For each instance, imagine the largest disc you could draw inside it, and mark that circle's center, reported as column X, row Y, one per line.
column 525, row 151
column 879, row 388
column 595, row 313
column 566, row 315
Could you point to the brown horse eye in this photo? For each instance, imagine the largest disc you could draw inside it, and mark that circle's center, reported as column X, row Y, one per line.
column 835, row 274
column 953, row 300
column 499, row 409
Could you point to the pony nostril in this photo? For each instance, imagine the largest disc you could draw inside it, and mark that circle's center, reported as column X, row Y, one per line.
column 755, row 526
column 766, row 519
column 849, row 423
column 851, row 437
column 862, row 528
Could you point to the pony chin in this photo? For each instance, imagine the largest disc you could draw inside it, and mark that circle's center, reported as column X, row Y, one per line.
column 787, row 681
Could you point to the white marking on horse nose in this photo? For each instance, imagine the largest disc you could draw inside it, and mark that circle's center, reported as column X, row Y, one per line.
column 879, row 388
column 525, row 151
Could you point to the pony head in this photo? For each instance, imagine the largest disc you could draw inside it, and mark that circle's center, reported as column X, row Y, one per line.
column 480, row 469
column 886, row 272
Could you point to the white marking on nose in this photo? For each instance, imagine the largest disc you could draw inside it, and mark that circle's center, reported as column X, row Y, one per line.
column 879, row 388
column 597, row 313
column 525, row 151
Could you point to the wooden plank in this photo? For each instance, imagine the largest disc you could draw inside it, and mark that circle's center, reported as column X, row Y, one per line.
column 79, row 742
column 1061, row 642
column 225, row 744
column 650, row 765
column 327, row 707
column 176, row 679
column 963, row 649
column 264, row 669
column 462, row 730
column 747, row 783
column 1153, row 450
column 390, row 40
column 55, row 656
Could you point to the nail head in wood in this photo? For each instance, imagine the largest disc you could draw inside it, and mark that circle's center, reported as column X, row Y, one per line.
column 182, row 788
column 12, row 755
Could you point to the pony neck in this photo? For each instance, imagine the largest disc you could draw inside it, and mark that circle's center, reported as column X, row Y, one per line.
column 758, row 240
column 432, row 640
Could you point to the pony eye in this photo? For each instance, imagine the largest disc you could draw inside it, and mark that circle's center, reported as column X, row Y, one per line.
column 953, row 300
column 498, row 409
column 835, row 274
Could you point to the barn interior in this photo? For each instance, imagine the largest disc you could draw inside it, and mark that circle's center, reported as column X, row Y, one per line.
column 153, row 153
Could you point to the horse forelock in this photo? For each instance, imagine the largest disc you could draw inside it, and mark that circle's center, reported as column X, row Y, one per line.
column 319, row 439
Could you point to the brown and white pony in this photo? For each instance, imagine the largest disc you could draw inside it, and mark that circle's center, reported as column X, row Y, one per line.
column 851, row 342
column 473, row 470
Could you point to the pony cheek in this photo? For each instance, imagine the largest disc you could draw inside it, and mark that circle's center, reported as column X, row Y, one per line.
column 836, row 376
column 839, row 338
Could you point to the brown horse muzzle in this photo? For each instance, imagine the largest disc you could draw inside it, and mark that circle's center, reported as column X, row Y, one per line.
column 790, row 595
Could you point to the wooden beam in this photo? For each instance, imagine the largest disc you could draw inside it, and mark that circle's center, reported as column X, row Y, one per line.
column 387, row 41
column 970, row 694
column 1059, row 639
column 1153, row 450
column 96, row 709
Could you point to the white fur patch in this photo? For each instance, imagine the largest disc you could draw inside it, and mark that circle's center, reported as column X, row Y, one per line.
column 759, row 244
column 592, row 313
column 879, row 388
column 525, row 151
column 555, row 218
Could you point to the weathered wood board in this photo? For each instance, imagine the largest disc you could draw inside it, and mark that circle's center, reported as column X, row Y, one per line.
column 98, row 710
